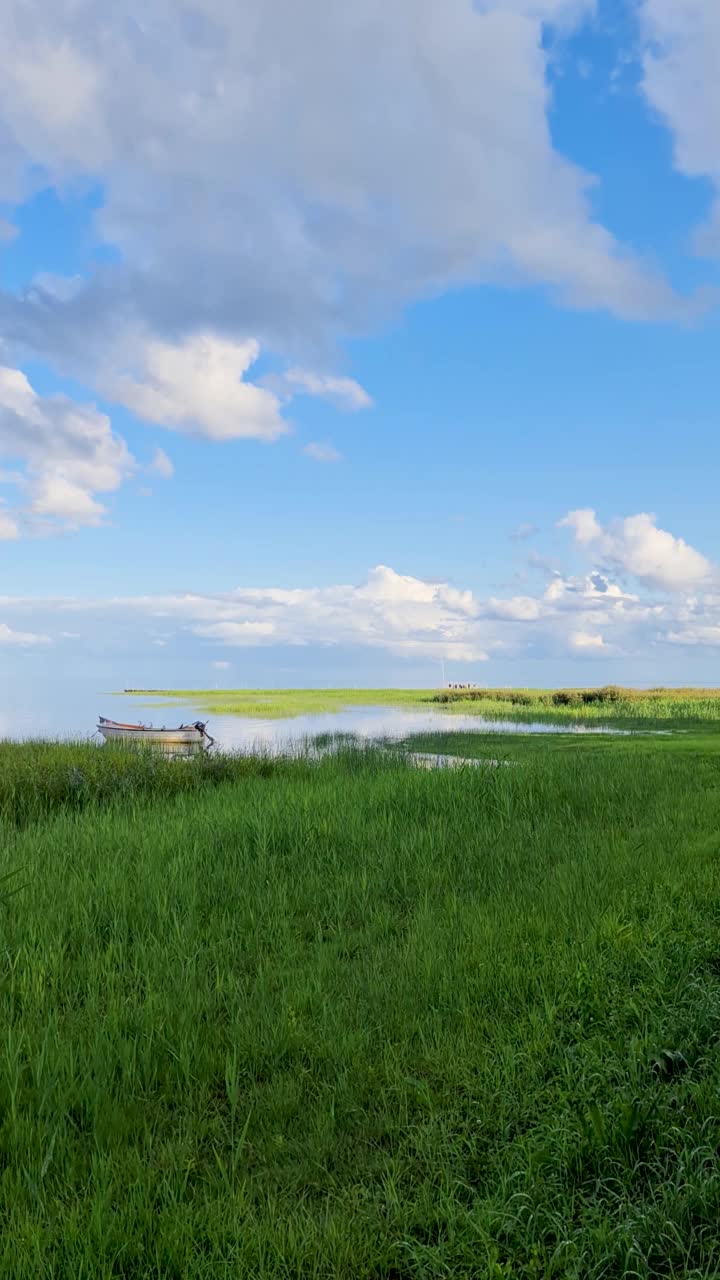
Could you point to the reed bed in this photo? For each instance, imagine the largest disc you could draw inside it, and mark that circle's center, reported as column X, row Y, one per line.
column 345, row 1019
column 39, row 778
column 610, row 703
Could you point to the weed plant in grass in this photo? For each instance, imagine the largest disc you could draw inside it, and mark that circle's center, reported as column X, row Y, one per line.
column 349, row 1020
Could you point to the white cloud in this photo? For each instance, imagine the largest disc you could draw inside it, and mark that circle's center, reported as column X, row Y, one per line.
column 322, row 452
column 681, row 59
column 8, row 232
column 584, row 640
column 162, row 465
column 402, row 614
column 9, row 528
column 197, row 385
column 237, row 633
column 593, row 591
column 708, row 636
column 571, row 618
column 654, row 556
column 391, row 611
column 636, row 546
column 516, row 609
column 584, row 525
column 345, row 393
column 69, row 453
column 222, row 666
column 21, row 639
column 292, row 172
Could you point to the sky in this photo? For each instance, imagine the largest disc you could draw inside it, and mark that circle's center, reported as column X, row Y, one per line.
column 359, row 344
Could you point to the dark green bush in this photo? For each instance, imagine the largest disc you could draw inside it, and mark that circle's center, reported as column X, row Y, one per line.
column 567, row 698
column 609, row 693
column 514, row 697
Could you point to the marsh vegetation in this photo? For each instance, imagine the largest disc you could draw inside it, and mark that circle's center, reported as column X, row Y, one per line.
column 344, row 1018
column 610, row 703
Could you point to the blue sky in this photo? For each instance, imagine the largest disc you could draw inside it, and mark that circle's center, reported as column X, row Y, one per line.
column 334, row 344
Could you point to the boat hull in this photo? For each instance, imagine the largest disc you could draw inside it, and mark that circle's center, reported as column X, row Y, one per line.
column 186, row 739
column 166, row 737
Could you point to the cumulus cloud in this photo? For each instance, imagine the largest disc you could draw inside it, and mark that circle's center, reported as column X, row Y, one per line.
column 584, row 524
column 198, row 385
column 322, row 452
column 586, row 641
column 69, row 453
column 400, row 614
column 391, row 611
column 255, row 185
column 516, row 609
column 592, row 591
column 705, row 636
column 680, row 64
column 573, row 618
column 636, row 546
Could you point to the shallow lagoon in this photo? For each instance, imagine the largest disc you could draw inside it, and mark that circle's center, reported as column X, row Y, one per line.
column 364, row 723
column 72, row 711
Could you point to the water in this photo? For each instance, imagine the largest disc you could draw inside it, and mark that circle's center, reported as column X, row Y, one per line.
column 72, row 712
column 367, row 724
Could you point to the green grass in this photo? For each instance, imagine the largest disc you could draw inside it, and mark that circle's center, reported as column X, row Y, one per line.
column 277, row 703
column 38, row 779
column 611, row 705
column 352, row 1020
column 692, row 741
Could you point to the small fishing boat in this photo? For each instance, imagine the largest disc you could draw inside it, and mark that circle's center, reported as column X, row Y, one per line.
column 184, row 735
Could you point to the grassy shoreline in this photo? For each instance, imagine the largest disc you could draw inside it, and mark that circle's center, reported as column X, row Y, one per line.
column 349, row 1020
column 277, row 703
column 615, row 706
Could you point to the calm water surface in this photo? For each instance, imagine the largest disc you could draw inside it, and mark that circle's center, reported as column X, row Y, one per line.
column 73, row 712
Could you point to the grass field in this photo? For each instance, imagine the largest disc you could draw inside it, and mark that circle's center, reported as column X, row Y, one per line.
column 614, row 705
column 276, row 703
column 348, row 1019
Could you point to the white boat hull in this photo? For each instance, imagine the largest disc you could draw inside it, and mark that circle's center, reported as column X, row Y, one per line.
column 168, row 737
column 185, row 739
